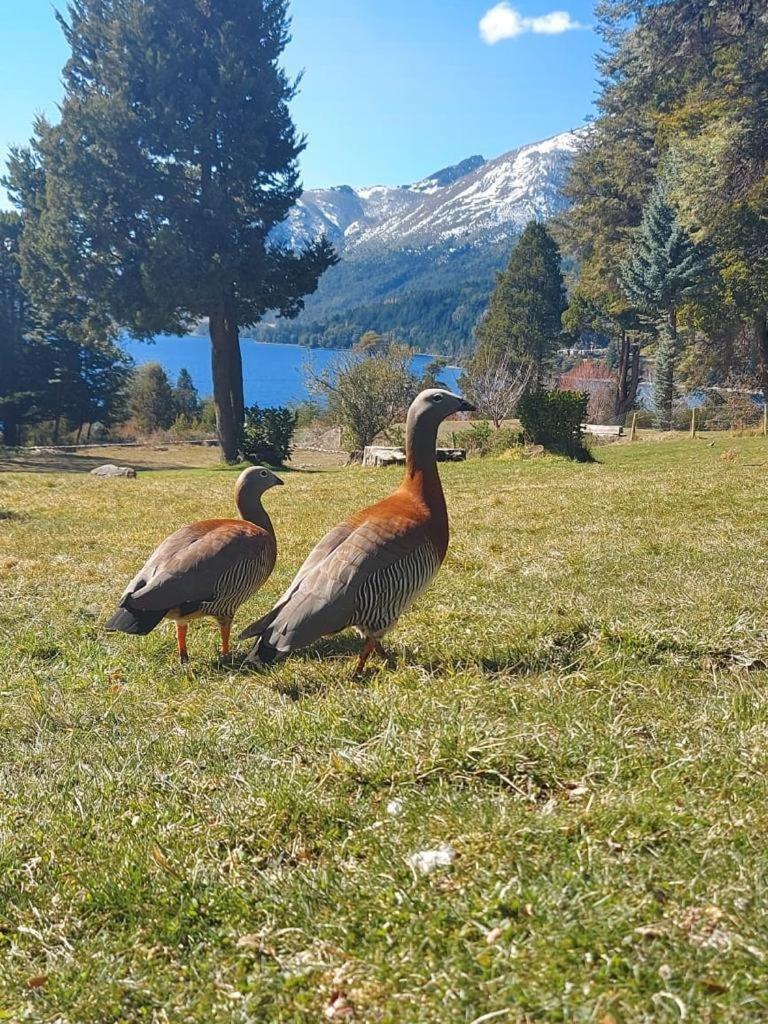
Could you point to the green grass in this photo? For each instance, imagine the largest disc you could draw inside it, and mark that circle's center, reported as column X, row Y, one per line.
column 579, row 706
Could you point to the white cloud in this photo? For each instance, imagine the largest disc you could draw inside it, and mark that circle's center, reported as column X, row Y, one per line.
column 504, row 22
column 554, row 23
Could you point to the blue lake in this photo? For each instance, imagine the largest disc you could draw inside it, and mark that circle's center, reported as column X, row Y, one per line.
column 272, row 374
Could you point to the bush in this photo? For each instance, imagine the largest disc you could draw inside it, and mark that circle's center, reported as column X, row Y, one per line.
column 729, row 410
column 367, row 390
column 506, row 439
column 553, row 419
column 476, row 439
column 187, row 427
column 208, row 415
column 482, row 439
column 268, row 435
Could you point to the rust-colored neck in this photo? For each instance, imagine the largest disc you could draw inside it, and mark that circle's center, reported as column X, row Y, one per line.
column 422, row 478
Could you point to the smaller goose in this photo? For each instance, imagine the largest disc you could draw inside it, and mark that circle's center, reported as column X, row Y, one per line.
column 208, row 568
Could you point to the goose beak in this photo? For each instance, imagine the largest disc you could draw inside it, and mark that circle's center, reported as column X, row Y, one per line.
column 465, row 406
column 279, row 482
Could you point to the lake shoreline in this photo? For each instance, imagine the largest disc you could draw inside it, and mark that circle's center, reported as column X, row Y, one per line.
column 272, row 371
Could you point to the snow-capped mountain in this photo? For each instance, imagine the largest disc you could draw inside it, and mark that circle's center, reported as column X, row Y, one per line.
column 420, row 260
column 476, row 199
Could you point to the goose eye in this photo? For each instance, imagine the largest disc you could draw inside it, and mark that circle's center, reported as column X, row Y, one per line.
column 263, row 472
column 437, row 398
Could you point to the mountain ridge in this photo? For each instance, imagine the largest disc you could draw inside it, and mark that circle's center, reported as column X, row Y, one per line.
column 420, row 259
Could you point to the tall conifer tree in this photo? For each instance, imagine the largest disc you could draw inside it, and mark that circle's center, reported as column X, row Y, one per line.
column 186, row 398
column 174, row 159
column 664, row 268
column 524, row 318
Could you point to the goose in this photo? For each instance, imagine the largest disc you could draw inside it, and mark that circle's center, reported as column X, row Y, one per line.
column 208, row 568
column 370, row 569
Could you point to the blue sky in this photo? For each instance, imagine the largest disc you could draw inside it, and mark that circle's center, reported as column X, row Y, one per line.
column 393, row 89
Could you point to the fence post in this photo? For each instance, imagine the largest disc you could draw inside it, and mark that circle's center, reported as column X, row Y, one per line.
column 693, row 422
column 765, row 417
column 633, row 430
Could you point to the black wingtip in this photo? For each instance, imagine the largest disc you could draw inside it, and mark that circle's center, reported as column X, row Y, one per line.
column 262, row 655
column 268, row 654
column 134, row 621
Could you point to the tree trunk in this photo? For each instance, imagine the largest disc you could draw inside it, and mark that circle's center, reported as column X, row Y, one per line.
column 236, row 383
column 761, row 337
column 227, row 375
column 11, row 432
column 666, row 358
column 629, row 378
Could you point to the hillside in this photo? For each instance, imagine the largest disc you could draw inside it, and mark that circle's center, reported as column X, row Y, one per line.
column 420, row 259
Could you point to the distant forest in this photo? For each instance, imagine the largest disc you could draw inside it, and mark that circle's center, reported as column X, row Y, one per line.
column 432, row 299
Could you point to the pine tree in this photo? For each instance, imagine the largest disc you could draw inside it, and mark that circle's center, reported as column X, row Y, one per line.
column 174, row 159
column 524, row 318
column 13, row 396
column 96, row 381
column 151, row 398
column 186, row 398
column 664, row 268
column 47, row 373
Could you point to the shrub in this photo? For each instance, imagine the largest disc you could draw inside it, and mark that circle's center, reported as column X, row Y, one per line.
column 268, row 435
column 481, row 439
column 366, row 390
column 187, row 427
column 729, row 410
column 506, row 439
column 208, row 415
column 476, row 439
column 553, row 419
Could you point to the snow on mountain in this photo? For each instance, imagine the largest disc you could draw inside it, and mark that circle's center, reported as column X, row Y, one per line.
column 475, row 200
column 447, row 175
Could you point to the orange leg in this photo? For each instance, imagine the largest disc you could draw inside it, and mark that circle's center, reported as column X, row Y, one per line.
column 181, row 640
column 226, row 632
column 369, row 647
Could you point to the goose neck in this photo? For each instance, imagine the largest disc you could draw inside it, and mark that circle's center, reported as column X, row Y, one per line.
column 420, row 458
column 254, row 512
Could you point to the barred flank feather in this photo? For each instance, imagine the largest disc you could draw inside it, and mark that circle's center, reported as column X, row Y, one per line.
column 387, row 593
column 237, row 584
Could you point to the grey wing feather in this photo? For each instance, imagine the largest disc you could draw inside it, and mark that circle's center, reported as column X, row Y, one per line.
column 186, row 569
column 319, row 552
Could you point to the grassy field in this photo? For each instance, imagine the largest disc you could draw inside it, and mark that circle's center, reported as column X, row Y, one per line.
column 578, row 707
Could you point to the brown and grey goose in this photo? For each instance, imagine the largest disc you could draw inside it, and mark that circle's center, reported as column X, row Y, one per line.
column 206, row 569
column 368, row 571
